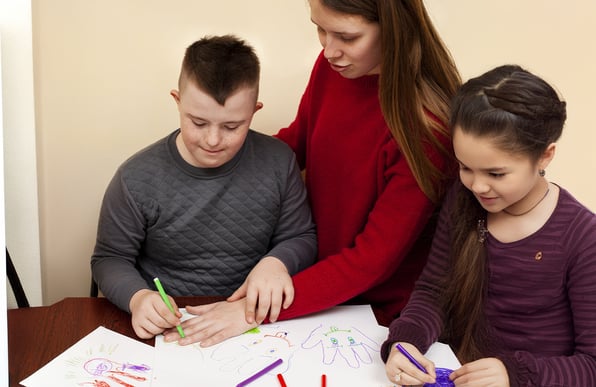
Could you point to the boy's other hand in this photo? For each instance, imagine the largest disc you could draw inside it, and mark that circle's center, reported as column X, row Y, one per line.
column 266, row 287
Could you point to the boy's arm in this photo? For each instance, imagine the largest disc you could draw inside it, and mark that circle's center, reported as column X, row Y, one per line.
column 294, row 241
column 119, row 236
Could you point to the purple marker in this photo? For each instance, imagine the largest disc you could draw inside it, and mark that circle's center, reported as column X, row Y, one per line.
column 442, row 379
column 260, row 373
column 410, row 358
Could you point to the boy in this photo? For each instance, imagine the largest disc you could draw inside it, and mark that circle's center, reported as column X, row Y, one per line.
column 209, row 208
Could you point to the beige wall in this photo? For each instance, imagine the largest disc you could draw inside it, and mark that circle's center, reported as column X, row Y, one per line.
column 104, row 68
column 20, row 168
column 555, row 40
column 3, row 293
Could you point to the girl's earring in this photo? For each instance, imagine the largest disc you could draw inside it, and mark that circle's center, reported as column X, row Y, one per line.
column 541, row 173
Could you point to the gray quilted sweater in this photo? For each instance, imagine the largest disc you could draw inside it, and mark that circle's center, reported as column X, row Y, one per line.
column 200, row 230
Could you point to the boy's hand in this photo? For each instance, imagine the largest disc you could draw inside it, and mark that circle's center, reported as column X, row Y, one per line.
column 268, row 284
column 150, row 315
column 212, row 323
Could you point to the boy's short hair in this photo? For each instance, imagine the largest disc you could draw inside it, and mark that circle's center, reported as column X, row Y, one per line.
column 220, row 65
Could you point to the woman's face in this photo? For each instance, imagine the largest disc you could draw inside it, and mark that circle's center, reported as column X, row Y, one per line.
column 352, row 44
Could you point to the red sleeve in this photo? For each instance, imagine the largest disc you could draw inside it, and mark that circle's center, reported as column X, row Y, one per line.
column 394, row 224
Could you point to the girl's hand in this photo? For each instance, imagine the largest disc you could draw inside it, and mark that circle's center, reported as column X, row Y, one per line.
column 401, row 371
column 487, row 372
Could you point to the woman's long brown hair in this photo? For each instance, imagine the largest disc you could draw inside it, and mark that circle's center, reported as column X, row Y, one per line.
column 418, row 76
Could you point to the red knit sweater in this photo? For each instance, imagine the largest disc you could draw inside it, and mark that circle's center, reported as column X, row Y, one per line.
column 367, row 206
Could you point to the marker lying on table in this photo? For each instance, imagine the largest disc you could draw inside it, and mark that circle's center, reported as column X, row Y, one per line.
column 410, row 358
column 260, row 373
column 164, row 296
column 281, row 380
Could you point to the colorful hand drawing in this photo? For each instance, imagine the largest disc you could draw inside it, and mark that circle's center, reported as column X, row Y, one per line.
column 350, row 344
column 100, row 359
column 250, row 352
column 349, row 357
column 121, row 373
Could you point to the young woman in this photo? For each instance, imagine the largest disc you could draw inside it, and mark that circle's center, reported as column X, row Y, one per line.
column 510, row 282
column 371, row 135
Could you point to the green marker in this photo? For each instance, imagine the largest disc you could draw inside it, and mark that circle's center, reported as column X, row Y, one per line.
column 164, row 296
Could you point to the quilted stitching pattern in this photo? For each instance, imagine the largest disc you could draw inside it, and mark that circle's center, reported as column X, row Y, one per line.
column 211, row 229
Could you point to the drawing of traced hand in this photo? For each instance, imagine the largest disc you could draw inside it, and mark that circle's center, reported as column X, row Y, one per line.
column 101, row 368
column 350, row 344
column 250, row 352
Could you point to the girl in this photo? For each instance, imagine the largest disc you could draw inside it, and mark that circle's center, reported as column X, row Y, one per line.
column 510, row 282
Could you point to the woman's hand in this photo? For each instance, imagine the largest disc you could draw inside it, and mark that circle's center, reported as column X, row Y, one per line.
column 267, row 285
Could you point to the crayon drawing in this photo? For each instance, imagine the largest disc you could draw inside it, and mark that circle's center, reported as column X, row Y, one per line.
column 348, row 344
column 252, row 351
column 101, row 359
column 342, row 343
column 103, row 371
column 226, row 363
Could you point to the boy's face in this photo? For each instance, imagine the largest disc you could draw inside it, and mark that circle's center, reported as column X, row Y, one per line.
column 211, row 134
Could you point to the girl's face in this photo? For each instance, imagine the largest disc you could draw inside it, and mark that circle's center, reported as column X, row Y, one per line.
column 352, row 44
column 499, row 180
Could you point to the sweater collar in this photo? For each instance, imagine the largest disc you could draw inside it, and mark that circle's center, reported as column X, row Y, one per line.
column 203, row 172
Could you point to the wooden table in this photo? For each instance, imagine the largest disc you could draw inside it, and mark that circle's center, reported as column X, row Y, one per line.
column 37, row 335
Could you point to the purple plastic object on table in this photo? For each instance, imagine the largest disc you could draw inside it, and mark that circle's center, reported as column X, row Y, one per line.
column 442, row 378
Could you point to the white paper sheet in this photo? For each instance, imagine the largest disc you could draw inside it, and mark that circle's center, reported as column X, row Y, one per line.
column 442, row 355
column 343, row 343
column 102, row 358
